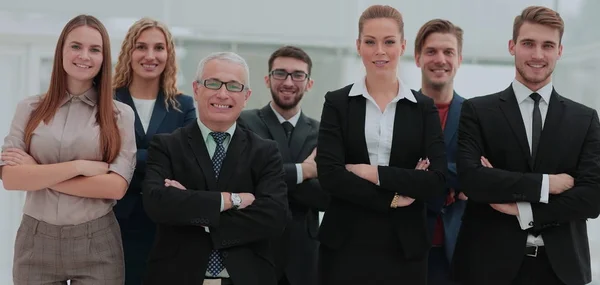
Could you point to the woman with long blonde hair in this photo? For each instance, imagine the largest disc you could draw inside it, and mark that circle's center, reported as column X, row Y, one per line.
column 146, row 80
column 72, row 150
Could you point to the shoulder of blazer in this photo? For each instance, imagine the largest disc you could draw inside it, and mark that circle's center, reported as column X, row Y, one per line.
column 339, row 94
column 186, row 101
column 578, row 108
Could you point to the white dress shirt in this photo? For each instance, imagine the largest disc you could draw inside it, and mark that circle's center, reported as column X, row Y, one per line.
column 379, row 125
column 293, row 120
column 144, row 108
column 526, row 105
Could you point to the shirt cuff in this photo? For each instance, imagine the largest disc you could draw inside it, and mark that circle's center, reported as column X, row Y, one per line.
column 545, row 192
column 299, row 173
column 525, row 216
column 222, row 203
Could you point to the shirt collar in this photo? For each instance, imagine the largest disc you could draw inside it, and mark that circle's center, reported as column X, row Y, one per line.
column 89, row 97
column 293, row 120
column 359, row 88
column 206, row 131
column 522, row 92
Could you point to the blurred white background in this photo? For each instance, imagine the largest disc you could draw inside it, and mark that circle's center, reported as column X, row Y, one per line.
column 326, row 29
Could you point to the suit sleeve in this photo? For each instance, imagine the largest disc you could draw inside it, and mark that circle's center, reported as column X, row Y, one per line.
column 291, row 175
column 310, row 194
column 331, row 166
column 172, row 206
column 489, row 185
column 583, row 200
column 420, row 184
column 267, row 216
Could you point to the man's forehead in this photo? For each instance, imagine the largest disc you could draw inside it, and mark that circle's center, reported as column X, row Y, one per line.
column 290, row 64
column 224, row 71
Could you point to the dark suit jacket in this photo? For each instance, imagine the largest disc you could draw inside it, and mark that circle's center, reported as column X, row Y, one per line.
column 180, row 254
column 359, row 207
column 452, row 214
column 162, row 121
column 491, row 244
column 299, row 250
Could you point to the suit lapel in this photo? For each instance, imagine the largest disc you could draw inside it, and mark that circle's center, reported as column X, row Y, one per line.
column 301, row 132
column 550, row 132
column 158, row 114
column 198, row 146
column 453, row 119
column 123, row 95
column 356, row 128
column 404, row 124
column 234, row 152
column 276, row 131
column 510, row 108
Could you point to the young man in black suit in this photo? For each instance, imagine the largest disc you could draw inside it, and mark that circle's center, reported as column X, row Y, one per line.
column 216, row 190
column 529, row 161
column 282, row 120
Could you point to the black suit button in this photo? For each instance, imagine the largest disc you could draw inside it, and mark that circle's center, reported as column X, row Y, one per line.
column 531, row 224
column 225, row 254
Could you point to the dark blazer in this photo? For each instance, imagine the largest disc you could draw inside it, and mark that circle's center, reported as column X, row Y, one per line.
column 491, row 245
column 452, row 214
column 162, row 121
column 360, row 209
column 298, row 251
column 180, row 254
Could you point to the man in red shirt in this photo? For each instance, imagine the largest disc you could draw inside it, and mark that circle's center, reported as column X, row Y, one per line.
column 438, row 48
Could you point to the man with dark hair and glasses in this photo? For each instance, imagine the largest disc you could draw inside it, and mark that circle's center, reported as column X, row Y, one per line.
column 296, row 134
column 216, row 190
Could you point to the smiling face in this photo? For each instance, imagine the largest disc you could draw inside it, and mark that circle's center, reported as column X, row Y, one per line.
column 82, row 55
column 439, row 59
column 380, row 45
column 287, row 92
column 149, row 57
column 536, row 50
column 219, row 109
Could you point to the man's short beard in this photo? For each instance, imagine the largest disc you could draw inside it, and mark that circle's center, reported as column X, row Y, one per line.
column 283, row 105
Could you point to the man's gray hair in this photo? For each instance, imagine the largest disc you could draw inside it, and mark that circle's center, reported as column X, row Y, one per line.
column 226, row 56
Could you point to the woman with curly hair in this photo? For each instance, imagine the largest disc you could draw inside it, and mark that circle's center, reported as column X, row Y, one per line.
column 146, row 79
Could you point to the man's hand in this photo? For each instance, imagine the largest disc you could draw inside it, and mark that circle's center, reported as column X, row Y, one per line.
column 15, row 156
column 364, row 171
column 509, row 209
column 247, row 200
column 309, row 166
column 174, row 183
column 560, row 183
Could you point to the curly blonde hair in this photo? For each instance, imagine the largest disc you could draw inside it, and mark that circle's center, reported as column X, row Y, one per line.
column 168, row 78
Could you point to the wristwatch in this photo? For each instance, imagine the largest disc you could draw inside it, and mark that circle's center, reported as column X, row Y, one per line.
column 236, row 200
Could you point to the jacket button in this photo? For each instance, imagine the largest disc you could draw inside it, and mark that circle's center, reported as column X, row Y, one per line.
column 225, row 254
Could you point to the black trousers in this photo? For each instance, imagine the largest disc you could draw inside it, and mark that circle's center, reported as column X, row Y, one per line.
column 537, row 271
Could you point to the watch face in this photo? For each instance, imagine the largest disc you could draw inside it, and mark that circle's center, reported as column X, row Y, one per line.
column 236, row 199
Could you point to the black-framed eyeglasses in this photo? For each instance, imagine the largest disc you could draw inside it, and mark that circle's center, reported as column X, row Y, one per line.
column 215, row 84
column 281, row 74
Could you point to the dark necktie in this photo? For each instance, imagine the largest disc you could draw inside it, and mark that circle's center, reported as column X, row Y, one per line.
column 215, row 261
column 536, row 130
column 536, row 133
column 288, row 128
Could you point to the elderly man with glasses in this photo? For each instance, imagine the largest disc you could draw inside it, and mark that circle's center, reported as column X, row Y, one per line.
column 216, row 190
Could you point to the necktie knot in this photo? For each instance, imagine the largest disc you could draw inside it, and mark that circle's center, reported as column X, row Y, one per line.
column 536, row 97
column 288, row 127
column 219, row 137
